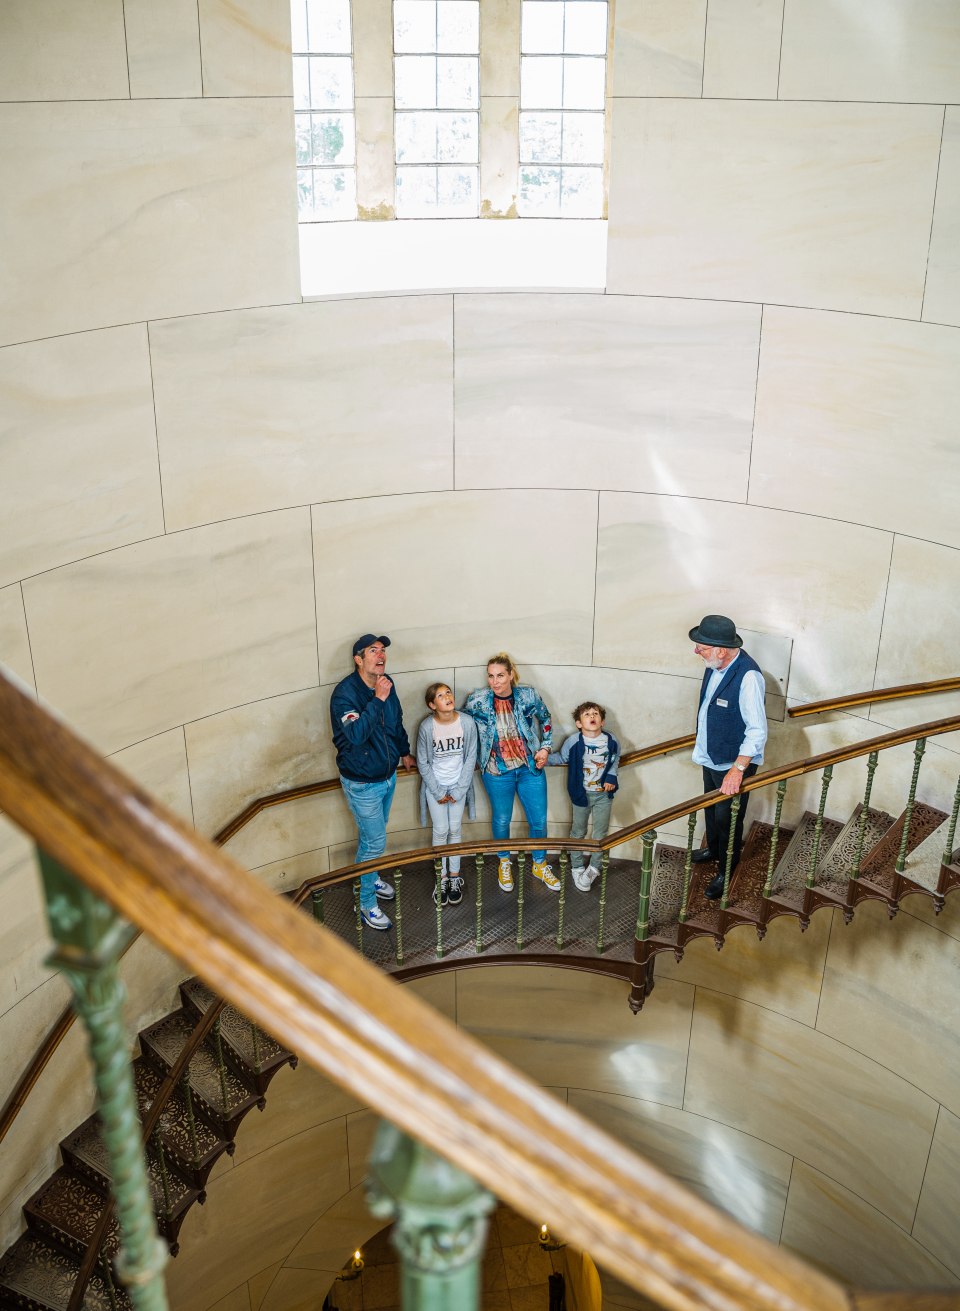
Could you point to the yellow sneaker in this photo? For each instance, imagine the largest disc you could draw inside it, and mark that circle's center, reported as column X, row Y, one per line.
column 505, row 875
column 542, row 871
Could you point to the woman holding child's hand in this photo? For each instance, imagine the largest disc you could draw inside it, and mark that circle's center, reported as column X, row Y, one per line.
column 516, row 734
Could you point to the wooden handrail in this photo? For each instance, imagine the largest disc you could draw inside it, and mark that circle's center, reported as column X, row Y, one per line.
column 878, row 694
column 315, row 995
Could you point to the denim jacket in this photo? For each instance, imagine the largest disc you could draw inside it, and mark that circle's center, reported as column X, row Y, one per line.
column 534, row 720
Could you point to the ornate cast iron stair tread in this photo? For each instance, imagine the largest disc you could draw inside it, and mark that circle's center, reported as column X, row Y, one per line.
column 66, row 1209
column 162, row 1042
column 174, row 1128
column 877, row 870
column 836, row 866
column 236, row 1031
column 790, row 875
column 35, row 1275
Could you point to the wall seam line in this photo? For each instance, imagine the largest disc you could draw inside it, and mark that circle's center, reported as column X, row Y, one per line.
column 156, row 433
column 933, row 213
column 26, row 628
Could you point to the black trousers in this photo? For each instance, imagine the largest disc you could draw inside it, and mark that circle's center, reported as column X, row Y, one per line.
column 717, row 817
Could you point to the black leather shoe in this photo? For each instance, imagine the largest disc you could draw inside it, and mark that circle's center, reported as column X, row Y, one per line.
column 702, row 855
column 714, row 889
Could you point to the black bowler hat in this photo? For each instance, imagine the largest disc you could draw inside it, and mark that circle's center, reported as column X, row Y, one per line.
column 368, row 639
column 716, row 630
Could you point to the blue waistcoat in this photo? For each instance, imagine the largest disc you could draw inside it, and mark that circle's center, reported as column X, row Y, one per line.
column 725, row 725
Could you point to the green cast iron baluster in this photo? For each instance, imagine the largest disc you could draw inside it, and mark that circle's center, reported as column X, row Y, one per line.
column 221, row 1063
column 947, row 858
column 687, row 865
column 728, row 865
column 356, row 912
column 107, row 1275
column 398, row 879
column 440, row 1220
column 164, row 1176
column 818, row 826
column 90, row 940
column 604, row 866
column 187, row 1092
column 438, row 868
column 872, row 760
column 479, row 863
column 646, row 881
column 564, row 862
column 775, row 837
column 316, row 901
column 255, row 1041
column 911, row 802
column 521, row 865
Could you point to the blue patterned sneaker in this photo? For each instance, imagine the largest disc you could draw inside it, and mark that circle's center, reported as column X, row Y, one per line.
column 384, row 890
column 375, row 918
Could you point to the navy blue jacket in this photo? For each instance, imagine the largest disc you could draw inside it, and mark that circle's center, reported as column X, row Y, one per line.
column 368, row 734
column 571, row 754
column 725, row 724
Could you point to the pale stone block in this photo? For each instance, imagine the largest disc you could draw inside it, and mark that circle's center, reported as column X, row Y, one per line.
column 659, row 47
column 905, row 50
column 298, row 1100
column 260, row 1284
column 606, row 391
column 14, row 640
column 24, row 936
column 855, row 420
column 163, row 48
column 499, row 128
column 373, row 48
column 822, row 581
column 811, row 1096
column 288, row 875
column 732, row 1171
column 822, row 205
column 542, row 612
column 160, row 765
column 313, row 391
column 742, row 56
column 941, row 303
column 63, row 50
column 330, row 1241
column 935, row 1226
column 598, row 1046
column 376, row 171
column 245, row 47
column 78, row 449
column 500, row 47
column 847, row 1238
column 175, row 207
column 132, row 642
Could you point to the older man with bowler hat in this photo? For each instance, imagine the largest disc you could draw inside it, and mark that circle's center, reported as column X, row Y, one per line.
column 370, row 739
column 731, row 732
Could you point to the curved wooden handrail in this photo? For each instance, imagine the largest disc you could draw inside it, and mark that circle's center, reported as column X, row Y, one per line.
column 878, row 694
column 314, row 994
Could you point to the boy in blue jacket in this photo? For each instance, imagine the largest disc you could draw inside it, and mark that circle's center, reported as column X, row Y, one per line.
column 591, row 756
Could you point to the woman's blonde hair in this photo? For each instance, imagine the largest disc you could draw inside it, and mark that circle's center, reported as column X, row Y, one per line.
column 501, row 658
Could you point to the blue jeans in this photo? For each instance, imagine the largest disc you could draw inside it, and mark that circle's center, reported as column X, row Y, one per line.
column 530, row 785
column 370, row 805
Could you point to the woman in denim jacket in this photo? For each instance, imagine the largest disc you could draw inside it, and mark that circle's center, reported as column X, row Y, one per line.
column 516, row 734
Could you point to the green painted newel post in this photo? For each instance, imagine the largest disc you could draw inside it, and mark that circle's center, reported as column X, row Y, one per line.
column 90, row 939
column 440, row 1221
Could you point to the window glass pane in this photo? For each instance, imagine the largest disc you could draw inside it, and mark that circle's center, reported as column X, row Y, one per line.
column 581, row 193
column 328, row 26
column 304, row 138
column 583, row 83
column 416, row 192
column 301, row 84
column 331, row 139
column 585, row 28
column 334, row 193
column 458, row 26
column 541, row 27
column 457, row 190
column 541, row 83
column 458, row 138
column 414, row 26
column 305, row 195
column 457, row 83
column 540, row 138
column 539, row 192
column 415, row 82
column 298, row 24
column 416, row 138
column 582, row 139
column 331, row 84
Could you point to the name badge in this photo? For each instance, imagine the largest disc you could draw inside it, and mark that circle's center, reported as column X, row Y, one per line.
column 721, row 702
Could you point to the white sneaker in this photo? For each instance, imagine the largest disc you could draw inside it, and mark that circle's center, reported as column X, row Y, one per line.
column 505, row 875
column 375, row 919
column 384, row 890
column 592, row 874
column 582, row 880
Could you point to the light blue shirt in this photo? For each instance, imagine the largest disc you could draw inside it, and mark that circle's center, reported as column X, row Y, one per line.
column 753, row 710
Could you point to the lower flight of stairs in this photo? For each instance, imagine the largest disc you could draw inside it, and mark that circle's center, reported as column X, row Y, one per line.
column 227, row 1076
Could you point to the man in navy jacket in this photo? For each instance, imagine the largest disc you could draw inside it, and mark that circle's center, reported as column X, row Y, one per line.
column 370, row 739
column 731, row 732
